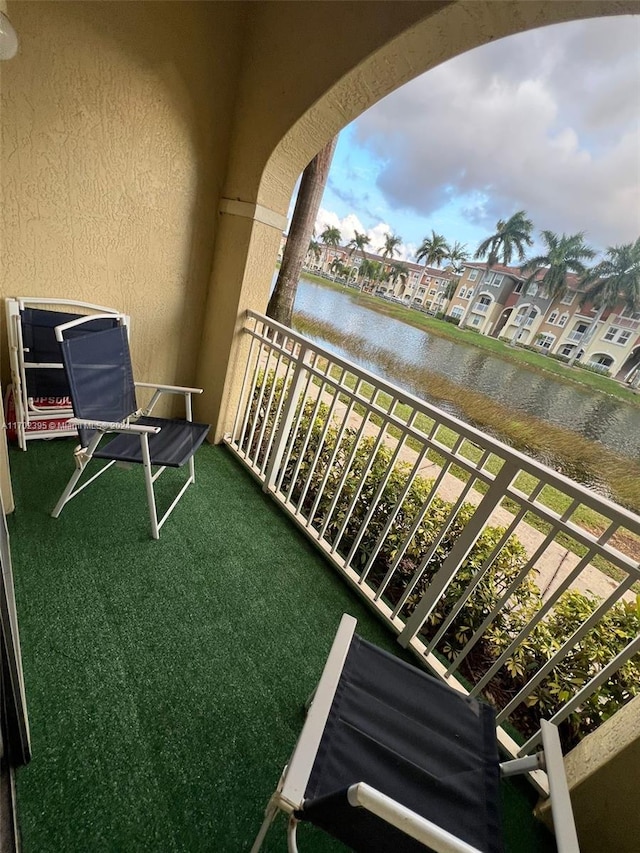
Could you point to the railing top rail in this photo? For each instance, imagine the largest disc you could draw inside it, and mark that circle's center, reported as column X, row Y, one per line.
column 611, row 510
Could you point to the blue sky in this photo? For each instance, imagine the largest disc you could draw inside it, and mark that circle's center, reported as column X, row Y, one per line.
column 546, row 121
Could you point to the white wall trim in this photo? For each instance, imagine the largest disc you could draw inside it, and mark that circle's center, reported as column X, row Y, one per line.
column 253, row 211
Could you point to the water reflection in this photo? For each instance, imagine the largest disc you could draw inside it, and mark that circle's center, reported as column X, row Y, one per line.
column 605, row 419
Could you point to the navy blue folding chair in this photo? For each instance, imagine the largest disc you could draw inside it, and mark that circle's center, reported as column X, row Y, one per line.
column 392, row 759
column 103, row 394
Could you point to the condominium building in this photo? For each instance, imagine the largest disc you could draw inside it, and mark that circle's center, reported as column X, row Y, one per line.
column 500, row 303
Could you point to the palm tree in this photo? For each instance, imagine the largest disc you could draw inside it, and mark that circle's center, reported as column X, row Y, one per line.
column 398, row 272
column 615, row 280
column 315, row 249
column 458, row 256
column 563, row 255
column 338, row 269
column 433, row 250
column 314, row 179
column 510, row 238
column 390, row 248
column 330, row 237
column 357, row 243
column 371, row 271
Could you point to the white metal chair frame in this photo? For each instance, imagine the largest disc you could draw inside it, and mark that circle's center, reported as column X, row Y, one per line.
column 84, row 455
column 289, row 794
column 27, row 413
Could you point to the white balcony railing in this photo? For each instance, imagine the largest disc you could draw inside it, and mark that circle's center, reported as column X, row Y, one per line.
column 575, row 336
column 487, row 564
column 480, row 308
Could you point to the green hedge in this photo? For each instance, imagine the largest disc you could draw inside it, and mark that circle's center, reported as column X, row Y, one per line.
column 362, row 473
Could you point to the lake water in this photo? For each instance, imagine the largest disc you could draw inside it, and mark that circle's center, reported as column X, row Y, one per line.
column 606, row 419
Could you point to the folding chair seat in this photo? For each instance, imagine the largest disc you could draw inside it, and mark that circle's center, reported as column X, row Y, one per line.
column 392, row 759
column 40, row 387
column 103, row 394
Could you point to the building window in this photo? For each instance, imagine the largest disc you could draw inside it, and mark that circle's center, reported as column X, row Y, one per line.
column 489, row 277
column 629, row 314
column 601, row 360
column 563, row 319
column 568, row 298
column 432, row 291
column 462, row 293
column 457, row 311
column 475, row 320
column 623, row 338
column 421, row 291
column 553, row 317
column 473, row 275
column 611, row 332
column 532, row 289
column 469, row 293
column 529, row 321
column 567, row 350
column 545, row 341
column 497, row 281
column 518, row 287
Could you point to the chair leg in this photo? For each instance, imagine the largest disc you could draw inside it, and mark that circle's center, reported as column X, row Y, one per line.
column 269, row 816
column 148, row 479
column 82, row 459
column 64, row 497
column 292, row 840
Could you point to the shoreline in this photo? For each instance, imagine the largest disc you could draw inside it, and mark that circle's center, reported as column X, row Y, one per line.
column 536, row 363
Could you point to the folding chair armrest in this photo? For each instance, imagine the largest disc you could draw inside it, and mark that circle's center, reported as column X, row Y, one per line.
column 407, row 821
column 109, row 426
column 303, row 757
column 169, row 389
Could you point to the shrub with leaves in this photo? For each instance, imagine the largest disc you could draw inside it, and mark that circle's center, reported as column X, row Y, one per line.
column 347, row 486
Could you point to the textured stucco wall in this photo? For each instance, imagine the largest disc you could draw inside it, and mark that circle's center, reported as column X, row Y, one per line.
column 115, row 135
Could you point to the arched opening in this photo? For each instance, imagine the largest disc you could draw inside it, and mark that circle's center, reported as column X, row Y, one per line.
column 601, row 361
column 396, row 45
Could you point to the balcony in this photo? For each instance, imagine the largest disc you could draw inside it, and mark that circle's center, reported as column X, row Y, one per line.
column 165, row 683
column 575, row 336
column 481, row 308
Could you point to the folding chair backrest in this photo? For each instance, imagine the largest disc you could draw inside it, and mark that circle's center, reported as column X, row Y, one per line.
column 41, row 347
column 98, row 368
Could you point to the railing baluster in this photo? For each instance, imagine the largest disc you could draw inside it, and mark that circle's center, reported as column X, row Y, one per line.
column 571, row 705
column 477, row 579
column 564, row 650
column 458, row 553
column 442, row 532
column 282, row 431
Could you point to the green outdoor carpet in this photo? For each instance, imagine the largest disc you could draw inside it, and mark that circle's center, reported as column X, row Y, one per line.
column 165, row 680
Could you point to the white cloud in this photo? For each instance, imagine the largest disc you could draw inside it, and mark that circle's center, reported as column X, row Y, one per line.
column 348, row 225
column 545, row 121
